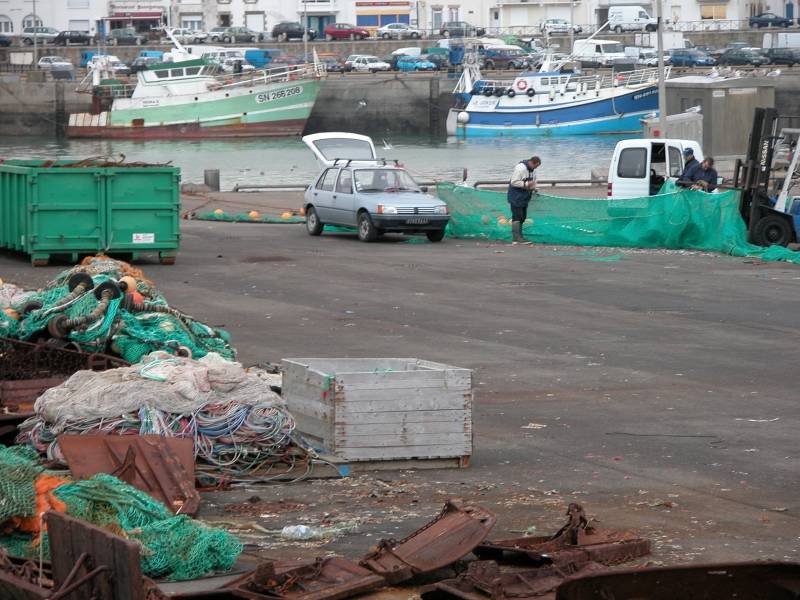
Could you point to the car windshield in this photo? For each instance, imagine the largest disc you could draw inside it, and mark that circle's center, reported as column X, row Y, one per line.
column 384, row 180
column 333, row 148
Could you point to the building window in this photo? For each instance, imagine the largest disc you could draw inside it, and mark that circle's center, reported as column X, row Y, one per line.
column 77, row 3
column 31, row 21
column 452, row 13
column 367, row 20
column 6, row 26
column 713, row 11
column 436, row 17
column 193, row 22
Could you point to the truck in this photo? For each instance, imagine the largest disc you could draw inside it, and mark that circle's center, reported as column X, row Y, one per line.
column 639, row 167
column 781, row 40
column 671, row 40
column 599, row 52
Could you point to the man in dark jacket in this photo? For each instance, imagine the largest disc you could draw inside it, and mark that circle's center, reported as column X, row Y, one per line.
column 520, row 189
column 705, row 178
column 690, row 166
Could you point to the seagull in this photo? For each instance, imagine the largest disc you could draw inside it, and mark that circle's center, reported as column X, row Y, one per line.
column 362, row 103
column 775, row 73
column 387, row 145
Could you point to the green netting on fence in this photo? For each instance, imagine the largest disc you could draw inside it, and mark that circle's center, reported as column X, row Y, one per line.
column 685, row 219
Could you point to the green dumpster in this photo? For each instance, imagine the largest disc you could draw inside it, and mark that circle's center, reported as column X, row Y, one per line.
column 69, row 208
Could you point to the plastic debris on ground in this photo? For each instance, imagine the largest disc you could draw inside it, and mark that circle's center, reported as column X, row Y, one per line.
column 240, row 428
column 673, row 219
column 106, row 305
column 175, row 547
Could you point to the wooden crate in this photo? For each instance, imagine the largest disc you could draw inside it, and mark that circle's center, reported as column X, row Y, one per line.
column 388, row 409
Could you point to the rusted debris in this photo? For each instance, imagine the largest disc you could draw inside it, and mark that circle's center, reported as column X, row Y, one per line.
column 744, row 581
column 575, row 543
column 331, row 578
column 22, row 579
column 449, row 537
column 28, row 369
column 483, row 580
column 161, row 466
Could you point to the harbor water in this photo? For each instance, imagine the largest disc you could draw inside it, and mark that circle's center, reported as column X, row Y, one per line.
column 289, row 162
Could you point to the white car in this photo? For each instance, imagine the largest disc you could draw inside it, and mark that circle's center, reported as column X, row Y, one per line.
column 109, row 61
column 551, row 26
column 398, row 31
column 369, row 64
column 47, row 62
column 229, row 65
column 187, row 36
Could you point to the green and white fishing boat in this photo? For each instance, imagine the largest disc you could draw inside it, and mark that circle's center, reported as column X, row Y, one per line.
column 193, row 98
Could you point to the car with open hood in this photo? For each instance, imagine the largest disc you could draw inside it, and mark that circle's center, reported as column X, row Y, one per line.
column 358, row 189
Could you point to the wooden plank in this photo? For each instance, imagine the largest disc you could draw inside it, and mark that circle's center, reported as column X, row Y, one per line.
column 393, row 378
column 390, row 453
column 405, row 416
column 344, row 430
column 387, row 401
column 399, row 440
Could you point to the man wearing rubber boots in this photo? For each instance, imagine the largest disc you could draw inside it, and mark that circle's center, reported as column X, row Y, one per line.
column 520, row 189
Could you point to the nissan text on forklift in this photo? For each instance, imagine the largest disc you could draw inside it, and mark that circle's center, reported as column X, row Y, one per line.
column 769, row 209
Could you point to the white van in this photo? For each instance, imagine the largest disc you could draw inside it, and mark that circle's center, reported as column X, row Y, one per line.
column 601, row 52
column 640, row 167
column 630, row 18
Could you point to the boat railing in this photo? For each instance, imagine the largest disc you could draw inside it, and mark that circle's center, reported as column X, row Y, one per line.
column 589, row 82
column 274, row 75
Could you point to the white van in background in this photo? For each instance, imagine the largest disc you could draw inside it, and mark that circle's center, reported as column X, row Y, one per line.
column 630, row 18
column 600, row 52
column 639, row 167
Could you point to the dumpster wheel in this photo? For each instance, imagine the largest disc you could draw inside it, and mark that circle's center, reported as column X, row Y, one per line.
column 166, row 260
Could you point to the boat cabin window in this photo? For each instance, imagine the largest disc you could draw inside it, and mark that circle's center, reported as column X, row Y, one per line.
column 162, row 74
column 632, row 163
column 192, row 70
column 176, row 72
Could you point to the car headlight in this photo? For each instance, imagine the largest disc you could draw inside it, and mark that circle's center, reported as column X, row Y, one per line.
column 387, row 210
column 441, row 210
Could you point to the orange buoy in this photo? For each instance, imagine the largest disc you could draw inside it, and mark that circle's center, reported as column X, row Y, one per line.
column 287, row 215
column 254, row 214
column 219, row 212
column 302, row 212
column 11, row 314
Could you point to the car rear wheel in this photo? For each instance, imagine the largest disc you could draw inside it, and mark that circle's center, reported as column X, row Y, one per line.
column 367, row 232
column 328, row 37
column 226, row 40
column 385, row 36
column 414, row 35
column 435, row 236
column 313, row 225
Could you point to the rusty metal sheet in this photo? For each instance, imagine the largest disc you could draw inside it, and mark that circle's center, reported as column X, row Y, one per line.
column 453, row 534
column 161, row 466
column 332, row 578
column 484, row 580
column 743, row 581
column 576, row 542
column 20, row 579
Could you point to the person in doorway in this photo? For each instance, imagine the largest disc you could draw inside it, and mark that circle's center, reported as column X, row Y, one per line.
column 520, row 190
column 705, row 178
column 690, row 165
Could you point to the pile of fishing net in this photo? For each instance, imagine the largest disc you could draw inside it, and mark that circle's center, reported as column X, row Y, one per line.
column 676, row 219
column 238, row 423
column 175, row 547
column 106, row 305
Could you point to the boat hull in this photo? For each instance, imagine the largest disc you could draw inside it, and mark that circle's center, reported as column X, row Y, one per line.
column 285, row 128
column 620, row 114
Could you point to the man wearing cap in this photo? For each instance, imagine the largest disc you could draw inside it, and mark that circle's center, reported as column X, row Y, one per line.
column 520, row 189
column 705, row 178
column 690, row 166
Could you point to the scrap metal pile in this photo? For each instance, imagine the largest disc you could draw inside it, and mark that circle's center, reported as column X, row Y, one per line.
column 106, row 305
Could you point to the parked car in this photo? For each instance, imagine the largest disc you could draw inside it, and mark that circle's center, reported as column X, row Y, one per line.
column 367, row 193
column 681, row 57
column 119, row 67
column 188, row 36
column 216, row 34
column 769, row 20
column 630, row 18
column 238, row 35
column 460, row 29
column 370, row 64
column 43, row 35
column 291, row 30
column 125, row 36
column 551, row 26
column 439, row 60
column 333, row 63
column 743, row 56
column 415, row 63
column 81, row 38
column 505, row 57
column 397, row 31
column 142, row 63
column 348, row 62
column 48, row 62
column 345, row 31
column 783, row 56
column 5, row 40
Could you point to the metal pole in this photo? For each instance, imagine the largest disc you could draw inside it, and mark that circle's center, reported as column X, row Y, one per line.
column 35, row 38
column 662, row 94
column 571, row 24
column 305, row 31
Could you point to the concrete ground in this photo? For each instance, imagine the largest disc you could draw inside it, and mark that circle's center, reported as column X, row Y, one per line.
column 659, row 389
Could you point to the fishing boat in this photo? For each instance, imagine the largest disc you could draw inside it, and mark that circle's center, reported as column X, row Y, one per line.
column 554, row 103
column 192, row 98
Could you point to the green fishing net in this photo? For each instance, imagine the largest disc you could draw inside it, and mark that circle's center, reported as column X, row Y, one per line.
column 19, row 468
column 675, row 219
column 246, row 218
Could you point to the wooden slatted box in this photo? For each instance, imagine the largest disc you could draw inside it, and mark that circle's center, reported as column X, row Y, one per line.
column 381, row 409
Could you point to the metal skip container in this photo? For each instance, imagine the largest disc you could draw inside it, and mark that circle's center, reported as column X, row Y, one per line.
column 70, row 208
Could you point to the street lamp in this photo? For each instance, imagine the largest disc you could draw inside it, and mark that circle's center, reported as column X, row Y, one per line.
column 305, row 30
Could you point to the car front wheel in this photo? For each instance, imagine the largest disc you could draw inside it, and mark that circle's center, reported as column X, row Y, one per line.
column 435, row 236
column 313, row 225
column 367, row 232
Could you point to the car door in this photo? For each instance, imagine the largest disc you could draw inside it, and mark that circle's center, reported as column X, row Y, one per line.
column 674, row 161
column 322, row 195
column 344, row 207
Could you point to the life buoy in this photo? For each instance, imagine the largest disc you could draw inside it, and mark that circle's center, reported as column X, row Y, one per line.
column 521, row 85
column 531, row 92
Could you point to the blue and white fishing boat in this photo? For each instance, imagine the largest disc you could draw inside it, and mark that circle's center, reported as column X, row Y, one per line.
column 551, row 102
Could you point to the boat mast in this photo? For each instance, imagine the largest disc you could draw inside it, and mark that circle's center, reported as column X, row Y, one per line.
column 662, row 94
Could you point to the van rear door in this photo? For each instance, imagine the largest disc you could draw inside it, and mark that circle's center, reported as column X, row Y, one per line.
column 629, row 175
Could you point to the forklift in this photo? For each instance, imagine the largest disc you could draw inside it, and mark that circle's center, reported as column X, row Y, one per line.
column 771, row 215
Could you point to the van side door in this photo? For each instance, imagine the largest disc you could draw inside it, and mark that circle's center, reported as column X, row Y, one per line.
column 674, row 161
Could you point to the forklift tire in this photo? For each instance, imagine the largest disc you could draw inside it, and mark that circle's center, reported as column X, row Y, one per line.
column 772, row 230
